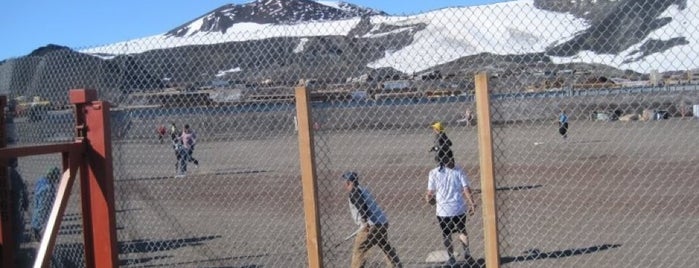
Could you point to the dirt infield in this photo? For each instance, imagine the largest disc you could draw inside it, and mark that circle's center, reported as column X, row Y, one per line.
column 614, row 194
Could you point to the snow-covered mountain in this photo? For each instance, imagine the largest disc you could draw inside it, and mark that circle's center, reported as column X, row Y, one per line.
column 283, row 41
column 637, row 35
column 270, row 12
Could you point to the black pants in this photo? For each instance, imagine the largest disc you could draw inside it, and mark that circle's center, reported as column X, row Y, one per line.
column 563, row 129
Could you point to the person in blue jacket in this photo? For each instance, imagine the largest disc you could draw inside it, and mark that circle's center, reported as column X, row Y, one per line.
column 563, row 124
column 44, row 195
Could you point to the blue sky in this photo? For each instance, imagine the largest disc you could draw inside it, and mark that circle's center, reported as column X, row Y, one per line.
column 29, row 24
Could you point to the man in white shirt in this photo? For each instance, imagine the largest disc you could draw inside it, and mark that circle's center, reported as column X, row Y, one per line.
column 447, row 186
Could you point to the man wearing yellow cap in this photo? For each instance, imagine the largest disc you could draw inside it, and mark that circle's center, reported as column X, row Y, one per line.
column 442, row 145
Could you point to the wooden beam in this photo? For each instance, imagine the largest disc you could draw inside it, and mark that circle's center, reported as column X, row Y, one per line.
column 48, row 239
column 308, row 177
column 485, row 142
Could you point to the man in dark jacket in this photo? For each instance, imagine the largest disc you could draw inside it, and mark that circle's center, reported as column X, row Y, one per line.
column 442, row 145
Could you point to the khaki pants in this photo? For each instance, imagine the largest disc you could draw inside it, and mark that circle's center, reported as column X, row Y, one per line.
column 369, row 237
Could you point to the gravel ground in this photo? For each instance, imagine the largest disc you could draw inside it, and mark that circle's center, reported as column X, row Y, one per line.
column 614, row 194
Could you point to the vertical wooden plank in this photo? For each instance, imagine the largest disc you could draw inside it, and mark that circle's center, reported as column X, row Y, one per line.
column 308, row 177
column 485, row 144
column 48, row 239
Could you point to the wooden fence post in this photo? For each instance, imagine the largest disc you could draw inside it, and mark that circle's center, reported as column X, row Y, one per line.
column 308, row 177
column 485, row 144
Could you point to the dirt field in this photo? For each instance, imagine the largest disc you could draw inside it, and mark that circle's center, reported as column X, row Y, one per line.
column 614, row 194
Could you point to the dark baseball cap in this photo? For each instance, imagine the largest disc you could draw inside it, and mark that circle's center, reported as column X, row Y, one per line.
column 350, row 176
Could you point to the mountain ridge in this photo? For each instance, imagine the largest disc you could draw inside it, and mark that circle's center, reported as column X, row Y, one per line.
column 631, row 29
column 270, row 12
column 452, row 42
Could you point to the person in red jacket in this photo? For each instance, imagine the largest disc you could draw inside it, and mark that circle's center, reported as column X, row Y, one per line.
column 161, row 132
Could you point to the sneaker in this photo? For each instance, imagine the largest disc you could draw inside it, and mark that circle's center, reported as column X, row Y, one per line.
column 180, row 176
column 469, row 259
column 451, row 262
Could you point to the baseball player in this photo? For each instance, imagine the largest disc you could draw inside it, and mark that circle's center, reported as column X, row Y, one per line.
column 367, row 214
column 447, row 186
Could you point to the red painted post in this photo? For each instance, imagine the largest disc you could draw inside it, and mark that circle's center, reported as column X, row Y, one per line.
column 96, row 179
column 7, row 244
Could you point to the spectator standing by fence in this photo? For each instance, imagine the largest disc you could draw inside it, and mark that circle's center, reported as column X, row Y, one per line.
column 44, row 196
column 372, row 221
column 442, row 145
column 447, row 186
column 563, row 124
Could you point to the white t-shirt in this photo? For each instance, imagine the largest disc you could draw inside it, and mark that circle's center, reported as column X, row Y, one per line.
column 448, row 186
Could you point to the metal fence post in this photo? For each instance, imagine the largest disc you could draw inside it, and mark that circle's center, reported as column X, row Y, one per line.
column 7, row 244
column 96, row 179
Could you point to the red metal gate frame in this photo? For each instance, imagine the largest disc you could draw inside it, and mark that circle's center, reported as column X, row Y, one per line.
column 91, row 153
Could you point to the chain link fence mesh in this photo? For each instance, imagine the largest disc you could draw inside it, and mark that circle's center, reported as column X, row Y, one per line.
column 618, row 190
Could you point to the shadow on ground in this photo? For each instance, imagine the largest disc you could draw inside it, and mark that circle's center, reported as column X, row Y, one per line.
column 513, row 188
column 535, row 254
column 147, row 245
column 150, row 246
column 217, row 172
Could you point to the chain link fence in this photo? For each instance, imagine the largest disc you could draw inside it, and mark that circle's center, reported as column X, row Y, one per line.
column 617, row 190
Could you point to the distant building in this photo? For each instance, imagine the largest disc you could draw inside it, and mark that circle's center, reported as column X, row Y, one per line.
column 220, row 83
column 623, row 82
column 396, row 89
column 395, row 85
column 359, row 79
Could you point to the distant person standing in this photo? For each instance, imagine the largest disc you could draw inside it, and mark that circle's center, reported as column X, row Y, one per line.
column 161, row 133
column 372, row 221
column 174, row 132
column 189, row 140
column 563, row 124
column 468, row 117
column 181, row 156
column 44, row 196
column 447, row 186
column 442, row 145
